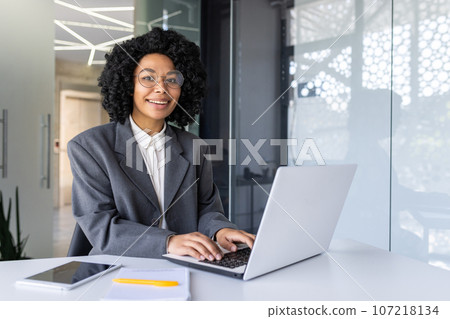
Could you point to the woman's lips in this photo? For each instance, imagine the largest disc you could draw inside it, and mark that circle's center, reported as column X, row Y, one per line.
column 158, row 104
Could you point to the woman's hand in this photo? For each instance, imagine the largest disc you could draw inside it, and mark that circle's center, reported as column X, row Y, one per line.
column 226, row 237
column 196, row 245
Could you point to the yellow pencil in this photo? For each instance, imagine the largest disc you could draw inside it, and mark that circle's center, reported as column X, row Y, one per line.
column 158, row 283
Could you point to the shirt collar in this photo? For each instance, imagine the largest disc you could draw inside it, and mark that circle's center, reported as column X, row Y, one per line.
column 145, row 140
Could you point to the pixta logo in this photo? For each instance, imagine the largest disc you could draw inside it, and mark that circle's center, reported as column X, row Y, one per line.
column 308, row 152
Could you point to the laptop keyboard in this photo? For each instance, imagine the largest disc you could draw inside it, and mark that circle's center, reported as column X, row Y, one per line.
column 232, row 259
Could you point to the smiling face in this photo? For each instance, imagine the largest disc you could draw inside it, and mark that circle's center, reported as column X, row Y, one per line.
column 152, row 105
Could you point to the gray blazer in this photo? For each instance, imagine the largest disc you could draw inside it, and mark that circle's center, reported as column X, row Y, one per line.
column 113, row 199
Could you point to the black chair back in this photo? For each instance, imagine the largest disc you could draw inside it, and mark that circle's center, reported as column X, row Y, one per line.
column 80, row 245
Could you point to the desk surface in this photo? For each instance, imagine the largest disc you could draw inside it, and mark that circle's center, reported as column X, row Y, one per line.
column 348, row 271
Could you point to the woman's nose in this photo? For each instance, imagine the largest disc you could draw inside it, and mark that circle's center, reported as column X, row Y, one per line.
column 160, row 87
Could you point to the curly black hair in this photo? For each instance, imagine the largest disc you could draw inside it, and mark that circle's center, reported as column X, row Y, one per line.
column 116, row 80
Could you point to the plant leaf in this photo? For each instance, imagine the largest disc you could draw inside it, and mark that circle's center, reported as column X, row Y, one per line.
column 8, row 249
column 19, row 250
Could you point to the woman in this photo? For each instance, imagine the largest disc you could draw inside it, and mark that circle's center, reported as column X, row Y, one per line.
column 140, row 188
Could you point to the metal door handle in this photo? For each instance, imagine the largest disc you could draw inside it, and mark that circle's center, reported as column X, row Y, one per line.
column 4, row 165
column 45, row 166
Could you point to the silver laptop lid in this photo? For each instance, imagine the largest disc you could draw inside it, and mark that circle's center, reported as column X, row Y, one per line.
column 300, row 216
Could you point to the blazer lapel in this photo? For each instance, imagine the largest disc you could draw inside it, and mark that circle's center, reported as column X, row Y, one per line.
column 175, row 168
column 132, row 163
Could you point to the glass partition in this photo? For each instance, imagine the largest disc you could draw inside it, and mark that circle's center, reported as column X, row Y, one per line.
column 364, row 81
column 253, row 146
column 369, row 84
column 340, row 97
column 421, row 130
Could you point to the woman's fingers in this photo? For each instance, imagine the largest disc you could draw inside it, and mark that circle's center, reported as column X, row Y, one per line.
column 196, row 245
column 226, row 237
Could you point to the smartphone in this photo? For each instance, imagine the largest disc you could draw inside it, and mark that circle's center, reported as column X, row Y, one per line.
column 69, row 275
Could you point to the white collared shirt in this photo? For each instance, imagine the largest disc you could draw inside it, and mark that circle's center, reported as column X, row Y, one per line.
column 153, row 152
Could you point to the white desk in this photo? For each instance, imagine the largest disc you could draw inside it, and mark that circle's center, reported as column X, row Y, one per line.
column 361, row 273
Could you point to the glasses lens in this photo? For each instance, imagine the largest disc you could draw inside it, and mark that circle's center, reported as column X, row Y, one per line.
column 147, row 78
column 174, row 79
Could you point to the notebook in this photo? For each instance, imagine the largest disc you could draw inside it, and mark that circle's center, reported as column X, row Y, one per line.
column 299, row 220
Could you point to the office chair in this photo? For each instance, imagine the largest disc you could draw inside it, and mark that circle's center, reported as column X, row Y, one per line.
column 79, row 245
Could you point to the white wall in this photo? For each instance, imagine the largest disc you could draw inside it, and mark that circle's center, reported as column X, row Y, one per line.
column 27, row 92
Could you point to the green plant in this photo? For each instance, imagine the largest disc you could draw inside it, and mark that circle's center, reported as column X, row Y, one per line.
column 8, row 249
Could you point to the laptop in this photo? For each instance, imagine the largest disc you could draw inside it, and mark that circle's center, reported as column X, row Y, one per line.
column 299, row 220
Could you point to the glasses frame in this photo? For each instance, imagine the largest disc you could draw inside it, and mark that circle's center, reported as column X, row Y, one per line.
column 157, row 77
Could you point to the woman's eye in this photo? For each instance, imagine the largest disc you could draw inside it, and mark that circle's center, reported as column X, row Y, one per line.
column 171, row 80
column 147, row 78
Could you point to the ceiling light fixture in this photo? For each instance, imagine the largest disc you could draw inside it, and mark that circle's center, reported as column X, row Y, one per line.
column 85, row 44
column 73, row 33
column 110, row 9
column 96, row 26
column 97, row 15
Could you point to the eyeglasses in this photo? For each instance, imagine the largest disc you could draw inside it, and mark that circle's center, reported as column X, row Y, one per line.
column 148, row 78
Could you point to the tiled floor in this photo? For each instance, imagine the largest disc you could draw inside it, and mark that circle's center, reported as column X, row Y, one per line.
column 63, row 224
